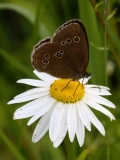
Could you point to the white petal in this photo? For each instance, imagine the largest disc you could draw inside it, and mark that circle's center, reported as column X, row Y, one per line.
column 31, row 92
column 96, row 86
column 55, row 119
column 84, row 80
column 34, row 103
column 28, row 98
column 34, row 82
column 99, row 99
column 44, row 76
column 82, row 115
column 42, row 111
column 80, row 132
column 99, row 108
column 31, row 108
column 94, row 120
column 42, row 126
column 63, row 127
column 71, row 121
column 97, row 91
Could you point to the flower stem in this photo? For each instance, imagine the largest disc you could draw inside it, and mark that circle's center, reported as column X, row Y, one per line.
column 107, row 34
column 105, row 41
column 68, row 148
column 108, row 153
column 105, row 44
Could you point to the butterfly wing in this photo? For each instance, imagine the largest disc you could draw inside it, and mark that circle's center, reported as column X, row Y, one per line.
column 73, row 38
column 66, row 54
column 53, row 59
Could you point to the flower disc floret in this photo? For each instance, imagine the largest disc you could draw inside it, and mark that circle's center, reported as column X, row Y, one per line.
column 67, row 90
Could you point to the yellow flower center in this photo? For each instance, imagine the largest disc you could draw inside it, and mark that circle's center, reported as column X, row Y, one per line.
column 67, row 90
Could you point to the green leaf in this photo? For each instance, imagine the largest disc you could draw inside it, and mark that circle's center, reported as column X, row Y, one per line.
column 28, row 10
column 10, row 145
column 83, row 155
column 15, row 62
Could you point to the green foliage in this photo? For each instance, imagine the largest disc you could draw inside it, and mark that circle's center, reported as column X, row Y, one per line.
column 22, row 24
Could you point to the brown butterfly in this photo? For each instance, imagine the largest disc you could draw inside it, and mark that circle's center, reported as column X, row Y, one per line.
column 66, row 54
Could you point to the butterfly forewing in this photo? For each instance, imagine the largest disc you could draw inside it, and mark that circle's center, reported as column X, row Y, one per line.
column 73, row 39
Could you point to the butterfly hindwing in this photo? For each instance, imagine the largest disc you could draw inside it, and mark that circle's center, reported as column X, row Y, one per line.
column 50, row 57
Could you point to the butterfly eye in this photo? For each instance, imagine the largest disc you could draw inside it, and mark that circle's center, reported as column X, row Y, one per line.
column 46, row 56
column 61, row 51
column 68, row 40
column 76, row 39
column 45, row 61
column 58, row 54
column 63, row 43
column 43, row 66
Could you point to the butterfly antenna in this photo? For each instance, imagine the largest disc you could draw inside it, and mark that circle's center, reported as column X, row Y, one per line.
column 94, row 80
column 81, row 69
column 99, row 88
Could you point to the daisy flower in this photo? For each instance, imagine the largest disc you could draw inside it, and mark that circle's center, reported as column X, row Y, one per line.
column 63, row 105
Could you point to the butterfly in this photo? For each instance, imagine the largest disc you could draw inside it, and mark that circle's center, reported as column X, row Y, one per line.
column 66, row 54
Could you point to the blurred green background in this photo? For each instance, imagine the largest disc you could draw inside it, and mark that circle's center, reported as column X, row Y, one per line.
column 22, row 24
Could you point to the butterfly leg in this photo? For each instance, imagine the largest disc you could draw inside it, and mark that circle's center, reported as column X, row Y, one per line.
column 66, row 85
column 76, row 88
